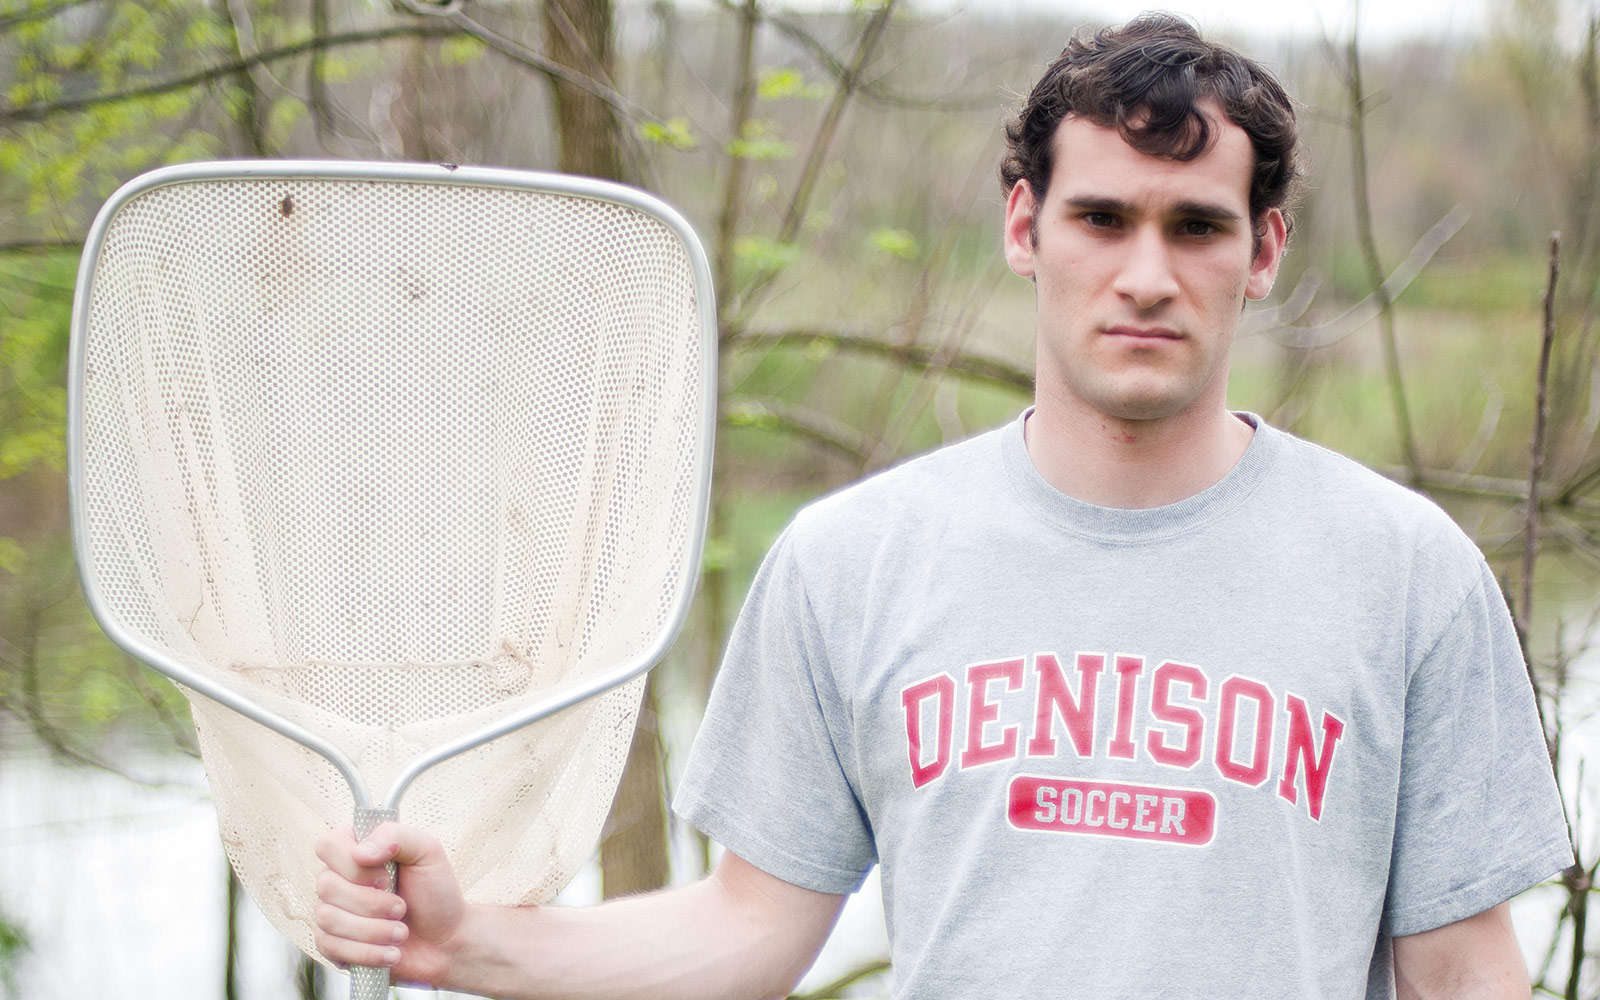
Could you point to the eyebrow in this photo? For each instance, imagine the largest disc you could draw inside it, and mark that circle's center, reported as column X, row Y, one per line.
column 1187, row 209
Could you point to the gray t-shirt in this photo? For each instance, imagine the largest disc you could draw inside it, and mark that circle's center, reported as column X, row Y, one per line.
column 1220, row 748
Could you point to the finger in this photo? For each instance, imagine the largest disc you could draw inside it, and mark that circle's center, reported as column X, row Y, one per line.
column 347, row 952
column 399, row 843
column 337, row 849
column 343, row 925
column 359, row 899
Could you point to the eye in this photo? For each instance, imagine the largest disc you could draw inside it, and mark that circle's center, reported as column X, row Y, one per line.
column 1099, row 220
column 1196, row 227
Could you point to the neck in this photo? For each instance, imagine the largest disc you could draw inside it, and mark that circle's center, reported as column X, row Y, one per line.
column 1133, row 463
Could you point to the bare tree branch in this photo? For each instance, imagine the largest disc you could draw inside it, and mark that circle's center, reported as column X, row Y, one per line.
column 872, row 91
column 1369, row 253
column 962, row 364
column 806, row 185
column 1273, row 323
column 744, row 97
column 521, row 54
column 39, row 13
column 40, row 246
column 181, row 731
column 1462, row 484
column 769, row 411
column 848, row 86
column 1541, row 416
column 48, row 109
column 320, row 102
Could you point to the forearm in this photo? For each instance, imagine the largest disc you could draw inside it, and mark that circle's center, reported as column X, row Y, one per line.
column 1473, row 959
column 729, row 936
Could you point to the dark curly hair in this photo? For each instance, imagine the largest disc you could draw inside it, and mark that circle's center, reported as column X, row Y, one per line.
column 1147, row 79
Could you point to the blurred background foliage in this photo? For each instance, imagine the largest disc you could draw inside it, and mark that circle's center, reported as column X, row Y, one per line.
column 841, row 168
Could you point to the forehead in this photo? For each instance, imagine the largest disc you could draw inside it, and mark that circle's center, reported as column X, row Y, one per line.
column 1095, row 161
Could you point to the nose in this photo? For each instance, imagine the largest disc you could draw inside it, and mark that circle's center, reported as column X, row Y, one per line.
column 1146, row 277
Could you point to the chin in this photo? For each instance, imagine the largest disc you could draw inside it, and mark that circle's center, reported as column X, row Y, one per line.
column 1145, row 407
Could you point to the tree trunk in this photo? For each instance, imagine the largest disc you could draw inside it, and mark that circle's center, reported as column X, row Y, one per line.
column 248, row 104
column 577, row 36
column 633, row 851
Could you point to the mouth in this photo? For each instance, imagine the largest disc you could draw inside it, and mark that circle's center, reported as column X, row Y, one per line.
column 1150, row 333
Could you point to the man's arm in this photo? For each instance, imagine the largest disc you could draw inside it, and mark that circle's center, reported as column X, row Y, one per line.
column 739, row 933
column 1473, row 959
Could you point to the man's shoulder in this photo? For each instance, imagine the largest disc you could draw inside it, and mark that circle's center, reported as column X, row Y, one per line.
column 1320, row 485
column 922, row 489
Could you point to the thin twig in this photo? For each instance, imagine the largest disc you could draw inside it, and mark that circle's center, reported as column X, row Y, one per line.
column 1541, row 416
column 1274, row 323
column 39, row 13
column 182, row 732
column 812, row 426
column 519, row 53
column 41, row 246
column 805, row 187
column 848, row 85
column 961, row 363
column 871, row 91
column 1369, row 253
column 48, row 109
column 897, row 422
column 316, row 76
column 744, row 96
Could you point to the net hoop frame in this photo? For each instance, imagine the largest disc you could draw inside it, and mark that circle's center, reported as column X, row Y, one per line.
column 415, row 173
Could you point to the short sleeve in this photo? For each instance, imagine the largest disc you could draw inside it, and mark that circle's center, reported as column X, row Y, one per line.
column 767, row 776
column 1478, row 818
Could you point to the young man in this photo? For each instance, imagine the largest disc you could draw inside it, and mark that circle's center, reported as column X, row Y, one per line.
column 1135, row 697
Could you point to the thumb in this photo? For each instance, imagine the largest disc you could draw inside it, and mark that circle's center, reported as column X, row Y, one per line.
column 405, row 845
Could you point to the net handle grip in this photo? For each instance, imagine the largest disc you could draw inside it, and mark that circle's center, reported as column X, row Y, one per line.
column 372, row 982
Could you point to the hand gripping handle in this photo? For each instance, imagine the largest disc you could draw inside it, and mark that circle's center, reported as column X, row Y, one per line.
column 372, row 982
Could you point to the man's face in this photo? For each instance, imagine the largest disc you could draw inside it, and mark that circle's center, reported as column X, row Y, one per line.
column 1142, row 265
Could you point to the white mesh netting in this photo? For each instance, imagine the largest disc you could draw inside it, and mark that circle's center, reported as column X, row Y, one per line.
column 393, row 460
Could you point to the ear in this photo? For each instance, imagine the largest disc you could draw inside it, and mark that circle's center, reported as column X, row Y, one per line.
column 1264, row 268
column 1020, row 213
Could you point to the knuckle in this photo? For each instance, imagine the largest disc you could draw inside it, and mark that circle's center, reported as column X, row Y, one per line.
column 326, row 916
column 332, row 948
column 326, row 884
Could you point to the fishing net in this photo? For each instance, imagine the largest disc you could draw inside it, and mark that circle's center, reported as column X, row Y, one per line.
column 394, row 459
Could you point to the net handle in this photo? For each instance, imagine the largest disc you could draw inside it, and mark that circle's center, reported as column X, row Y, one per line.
column 371, row 982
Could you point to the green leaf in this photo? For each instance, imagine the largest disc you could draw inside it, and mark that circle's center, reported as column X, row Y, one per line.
column 204, row 33
column 460, row 51
column 821, row 349
column 748, row 413
column 716, row 555
column 761, row 149
column 19, row 452
column 284, row 115
column 674, row 133
column 100, row 699
column 760, row 140
column 763, row 255
column 894, row 242
column 776, row 84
